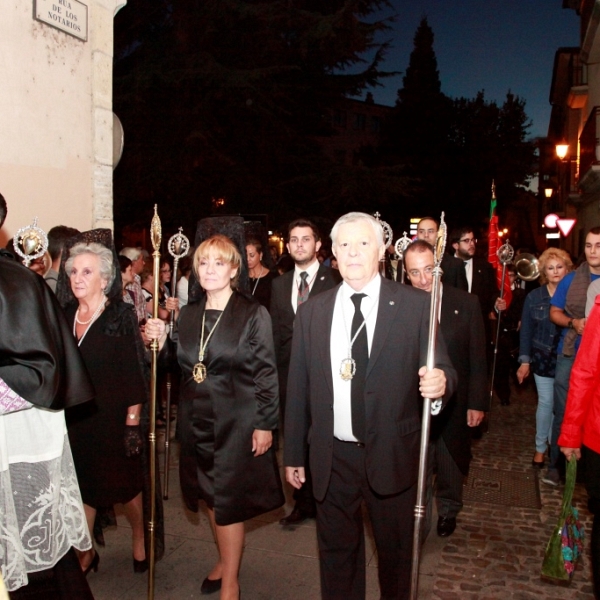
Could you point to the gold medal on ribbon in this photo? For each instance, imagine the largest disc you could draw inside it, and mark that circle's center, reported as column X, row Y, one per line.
column 199, row 372
column 347, row 369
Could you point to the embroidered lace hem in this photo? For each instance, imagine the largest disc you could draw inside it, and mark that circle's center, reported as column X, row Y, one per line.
column 41, row 516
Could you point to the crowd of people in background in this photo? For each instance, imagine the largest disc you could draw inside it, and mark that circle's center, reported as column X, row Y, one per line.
column 319, row 351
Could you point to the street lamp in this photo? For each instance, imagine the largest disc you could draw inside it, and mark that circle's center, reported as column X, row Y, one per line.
column 548, row 192
column 561, row 150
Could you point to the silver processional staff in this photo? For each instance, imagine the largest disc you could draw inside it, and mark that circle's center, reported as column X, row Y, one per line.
column 388, row 238
column 178, row 246
column 429, row 407
column 400, row 247
column 505, row 255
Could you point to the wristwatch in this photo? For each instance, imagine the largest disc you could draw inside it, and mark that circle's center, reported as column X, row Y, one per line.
column 570, row 323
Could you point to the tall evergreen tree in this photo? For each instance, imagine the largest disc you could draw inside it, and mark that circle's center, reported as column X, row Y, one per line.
column 489, row 142
column 418, row 130
column 453, row 149
column 223, row 99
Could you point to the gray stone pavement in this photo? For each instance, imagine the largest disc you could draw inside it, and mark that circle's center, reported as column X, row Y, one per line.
column 495, row 553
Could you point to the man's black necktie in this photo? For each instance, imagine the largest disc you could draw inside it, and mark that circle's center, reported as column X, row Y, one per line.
column 303, row 289
column 360, row 354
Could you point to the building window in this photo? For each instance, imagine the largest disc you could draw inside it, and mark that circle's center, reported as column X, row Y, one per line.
column 360, row 122
column 375, row 124
column 340, row 157
column 339, row 118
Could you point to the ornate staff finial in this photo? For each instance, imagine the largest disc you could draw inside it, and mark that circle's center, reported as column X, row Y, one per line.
column 388, row 233
column 493, row 189
column 33, row 240
column 505, row 253
column 155, row 230
column 178, row 245
column 401, row 245
column 440, row 241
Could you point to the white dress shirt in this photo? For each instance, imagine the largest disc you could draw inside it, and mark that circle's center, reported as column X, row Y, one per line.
column 312, row 275
column 341, row 327
column 469, row 272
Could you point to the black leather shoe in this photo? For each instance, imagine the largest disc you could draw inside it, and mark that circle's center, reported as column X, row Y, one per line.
column 140, row 566
column 296, row 517
column 446, row 526
column 210, row 586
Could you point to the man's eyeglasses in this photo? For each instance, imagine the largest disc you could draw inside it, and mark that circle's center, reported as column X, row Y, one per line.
column 468, row 241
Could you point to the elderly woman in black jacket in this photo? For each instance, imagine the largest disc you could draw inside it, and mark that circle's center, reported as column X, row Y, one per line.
column 105, row 434
column 228, row 407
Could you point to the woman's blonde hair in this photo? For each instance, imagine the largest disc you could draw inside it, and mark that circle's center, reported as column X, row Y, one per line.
column 219, row 246
column 553, row 254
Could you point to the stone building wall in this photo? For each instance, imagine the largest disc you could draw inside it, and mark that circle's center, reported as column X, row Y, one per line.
column 56, row 122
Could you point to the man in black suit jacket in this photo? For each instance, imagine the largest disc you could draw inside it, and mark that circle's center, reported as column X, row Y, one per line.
column 357, row 405
column 481, row 276
column 303, row 245
column 462, row 329
column 453, row 269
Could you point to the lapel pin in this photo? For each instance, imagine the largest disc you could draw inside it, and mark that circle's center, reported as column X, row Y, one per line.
column 322, row 277
column 392, row 303
column 455, row 312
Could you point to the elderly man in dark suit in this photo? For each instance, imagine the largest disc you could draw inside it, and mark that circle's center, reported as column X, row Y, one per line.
column 462, row 329
column 356, row 372
column 307, row 279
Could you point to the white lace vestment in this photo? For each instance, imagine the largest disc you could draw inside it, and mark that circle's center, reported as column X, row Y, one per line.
column 41, row 511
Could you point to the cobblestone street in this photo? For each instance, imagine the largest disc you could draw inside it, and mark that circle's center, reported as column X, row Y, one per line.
column 495, row 553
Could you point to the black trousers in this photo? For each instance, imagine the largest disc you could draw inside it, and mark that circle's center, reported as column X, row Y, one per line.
column 448, row 482
column 305, row 501
column 340, row 531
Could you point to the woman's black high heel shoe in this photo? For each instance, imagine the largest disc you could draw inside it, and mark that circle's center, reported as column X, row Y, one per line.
column 93, row 565
column 140, row 566
column 210, row 586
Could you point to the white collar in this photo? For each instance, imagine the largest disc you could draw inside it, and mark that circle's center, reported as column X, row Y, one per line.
column 311, row 270
column 372, row 288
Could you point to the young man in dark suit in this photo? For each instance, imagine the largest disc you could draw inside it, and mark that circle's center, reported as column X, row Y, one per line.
column 462, row 329
column 356, row 379
column 307, row 279
column 481, row 277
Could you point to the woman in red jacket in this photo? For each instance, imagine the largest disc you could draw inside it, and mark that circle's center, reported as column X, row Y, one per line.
column 580, row 431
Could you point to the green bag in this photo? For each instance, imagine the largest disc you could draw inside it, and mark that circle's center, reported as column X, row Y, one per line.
column 566, row 544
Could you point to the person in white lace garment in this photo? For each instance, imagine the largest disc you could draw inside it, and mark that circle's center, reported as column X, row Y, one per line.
column 41, row 511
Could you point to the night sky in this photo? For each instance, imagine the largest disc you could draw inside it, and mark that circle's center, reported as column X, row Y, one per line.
column 485, row 45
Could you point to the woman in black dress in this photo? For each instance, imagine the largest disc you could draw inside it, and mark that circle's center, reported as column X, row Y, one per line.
column 228, row 407
column 259, row 277
column 105, row 435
